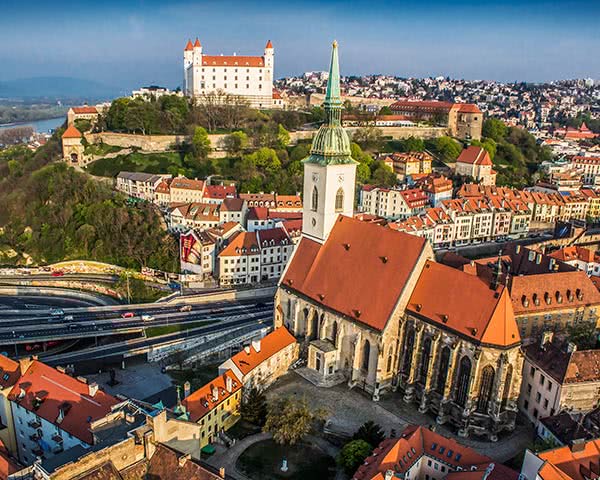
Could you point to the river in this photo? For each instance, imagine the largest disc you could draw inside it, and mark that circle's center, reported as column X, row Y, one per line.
column 40, row 126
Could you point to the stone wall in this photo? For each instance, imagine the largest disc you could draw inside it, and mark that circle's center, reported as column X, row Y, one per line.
column 397, row 133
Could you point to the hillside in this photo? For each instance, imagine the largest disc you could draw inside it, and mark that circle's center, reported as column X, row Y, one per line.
column 51, row 212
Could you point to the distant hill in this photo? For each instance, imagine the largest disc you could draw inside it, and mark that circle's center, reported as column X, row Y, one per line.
column 58, row 88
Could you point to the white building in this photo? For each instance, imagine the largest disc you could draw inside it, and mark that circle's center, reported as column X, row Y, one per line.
column 247, row 77
column 139, row 185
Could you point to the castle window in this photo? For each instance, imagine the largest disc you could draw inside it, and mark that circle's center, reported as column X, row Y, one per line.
column 315, row 200
column 464, row 377
column 339, row 200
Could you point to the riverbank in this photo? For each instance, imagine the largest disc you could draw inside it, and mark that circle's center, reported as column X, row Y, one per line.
column 40, row 126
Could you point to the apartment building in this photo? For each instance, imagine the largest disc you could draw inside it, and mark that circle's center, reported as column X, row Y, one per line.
column 140, row 185
column 182, row 217
column 391, row 203
column 197, row 253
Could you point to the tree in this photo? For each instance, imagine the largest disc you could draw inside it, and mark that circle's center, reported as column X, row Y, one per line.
column 494, row 129
column 235, row 143
column 385, row 110
column 447, row 148
column 289, row 420
column 254, row 407
column 201, row 145
column 283, row 136
column 584, row 335
column 382, row 175
column 369, row 138
column 370, row 432
column 353, row 454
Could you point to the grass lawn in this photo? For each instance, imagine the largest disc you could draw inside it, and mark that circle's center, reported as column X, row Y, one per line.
column 197, row 377
column 136, row 162
column 178, row 327
column 263, row 460
column 101, row 149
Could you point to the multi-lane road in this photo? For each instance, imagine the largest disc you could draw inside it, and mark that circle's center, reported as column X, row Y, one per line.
column 44, row 325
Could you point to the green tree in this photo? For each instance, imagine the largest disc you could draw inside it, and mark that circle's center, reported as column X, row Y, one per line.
column 369, row 138
column 235, row 143
column 265, row 160
column 382, row 175
column 254, row 407
column 413, row 144
column 488, row 144
column 283, row 136
column 584, row 335
column 353, row 454
column 385, row 110
column 494, row 129
column 370, row 432
column 299, row 152
column 289, row 420
column 201, row 145
column 447, row 148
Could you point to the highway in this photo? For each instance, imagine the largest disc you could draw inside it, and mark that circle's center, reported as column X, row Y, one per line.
column 143, row 345
column 39, row 325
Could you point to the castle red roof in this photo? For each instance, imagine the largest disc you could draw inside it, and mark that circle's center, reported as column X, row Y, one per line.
column 197, row 43
column 71, row 132
column 269, row 44
column 232, row 61
column 357, row 261
column 189, row 46
column 475, row 156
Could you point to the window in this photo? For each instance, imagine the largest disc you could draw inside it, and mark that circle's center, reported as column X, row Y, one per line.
column 485, row 389
column 542, row 379
column 535, row 412
column 315, row 199
column 538, row 397
column 339, row 200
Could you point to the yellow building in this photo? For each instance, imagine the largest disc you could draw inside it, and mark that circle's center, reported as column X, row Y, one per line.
column 553, row 301
column 215, row 406
column 72, row 147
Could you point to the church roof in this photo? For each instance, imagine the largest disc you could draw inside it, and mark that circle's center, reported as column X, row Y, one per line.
column 189, row 46
column 483, row 314
column 360, row 271
column 197, row 43
column 269, row 44
column 331, row 144
column 71, row 132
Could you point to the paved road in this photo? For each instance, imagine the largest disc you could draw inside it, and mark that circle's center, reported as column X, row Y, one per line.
column 45, row 327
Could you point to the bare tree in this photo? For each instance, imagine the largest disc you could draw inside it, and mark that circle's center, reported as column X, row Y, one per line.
column 15, row 135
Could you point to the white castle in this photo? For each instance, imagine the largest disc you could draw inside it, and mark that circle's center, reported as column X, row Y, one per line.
column 244, row 76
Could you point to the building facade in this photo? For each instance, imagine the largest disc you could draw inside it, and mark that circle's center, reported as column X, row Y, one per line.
column 247, row 77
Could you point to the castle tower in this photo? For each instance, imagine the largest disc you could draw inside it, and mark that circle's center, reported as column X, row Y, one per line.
column 269, row 55
column 188, row 57
column 197, row 52
column 329, row 170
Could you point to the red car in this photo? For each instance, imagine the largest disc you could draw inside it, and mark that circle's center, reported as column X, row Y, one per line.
column 127, row 315
column 58, row 273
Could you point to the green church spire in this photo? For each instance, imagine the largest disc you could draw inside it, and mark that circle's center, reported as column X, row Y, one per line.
column 331, row 144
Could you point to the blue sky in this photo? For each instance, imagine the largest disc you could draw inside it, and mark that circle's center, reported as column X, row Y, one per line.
column 132, row 43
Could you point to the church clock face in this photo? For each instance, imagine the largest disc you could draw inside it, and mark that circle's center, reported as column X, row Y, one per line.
column 315, row 177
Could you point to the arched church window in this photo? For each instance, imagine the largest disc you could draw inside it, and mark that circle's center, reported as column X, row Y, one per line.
column 408, row 350
column 425, row 355
column 339, row 200
column 507, row 385
column 315, row 199
column 464, row 375
column 365, row 355
column 443, row 370
column 485, row 389
column 334, row 333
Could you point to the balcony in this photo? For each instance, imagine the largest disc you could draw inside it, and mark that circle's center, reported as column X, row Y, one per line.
column 34, row 424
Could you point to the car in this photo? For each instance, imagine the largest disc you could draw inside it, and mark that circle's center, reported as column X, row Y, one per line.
column 186, row 308
column 127, row 315
column 57, row 273
column 57, row 312
column 147, row 318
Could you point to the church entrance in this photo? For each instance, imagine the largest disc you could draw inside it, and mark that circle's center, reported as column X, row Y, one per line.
column 74, row 157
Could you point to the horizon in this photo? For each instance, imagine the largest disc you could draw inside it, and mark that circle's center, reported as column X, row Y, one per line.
column 141, row 43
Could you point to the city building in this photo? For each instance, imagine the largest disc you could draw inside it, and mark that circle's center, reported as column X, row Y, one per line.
column 420, row 338
column 558, row 377
column 186, row 190
column 140, row 185
column 85, row 112
column 420, row 453
column 262, row 362
column 53, row 411
column 182, row 217
column 589, row 167
column 153, row 92
column 73, row 150
column 215, row 406
column 463, row 120
column 233, row 210
column 580, row 257
column 197, row 253
column 437, row 188
column 392, row 203
column 475, row 162
column 246, row 77
column 411, row 163
column 578, row 461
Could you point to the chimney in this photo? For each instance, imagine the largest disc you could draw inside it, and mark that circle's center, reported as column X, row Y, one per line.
column 183, row 459
column 256, row 345
column 578, row 445
column 92, row 389
column 547, row 338
column 215, row 393
column 187, row 388
column 228, row 384
column 222, row 472
column 389, row 475
column 571, row 347
column 247, row 349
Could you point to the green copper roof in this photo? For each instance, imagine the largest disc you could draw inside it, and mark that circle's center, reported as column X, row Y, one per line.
column 331, row 145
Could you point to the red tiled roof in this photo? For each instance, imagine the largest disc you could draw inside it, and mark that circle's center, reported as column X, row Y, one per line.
column 197, row 43
column 269, row 44
column 278, row 235
column 276, row 95
column 203, row 400
column 415, row 442
column 410, row 105
column 357, row 259
column 232, row 61
column 10, row 371
column 568, row 254
column 189, row 46
column 59, row 390
column 244, row 243
column 232, row 204
column 564, row 464
column 258, row 213
column 475, row 156
column 71, row 132
column 85, row 110
column 468, row 108
column 219, row 191
column 274, row 342
column 7, row 465
column 187, row 183
column 486, row 315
